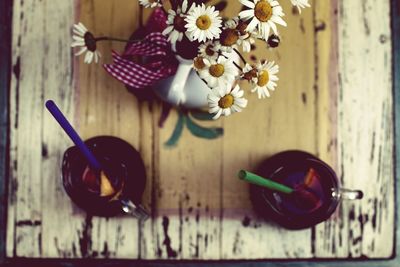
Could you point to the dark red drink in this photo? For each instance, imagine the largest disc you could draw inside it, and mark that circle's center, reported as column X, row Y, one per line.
column 316, row 190
column 122, row 179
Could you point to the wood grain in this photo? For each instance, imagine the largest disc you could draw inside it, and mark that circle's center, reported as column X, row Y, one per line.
column 395, row 15
column 259, row 132
column 365, row 135
column 5, row 62
column 106, row 108
column 41, row 70
column 200, row 210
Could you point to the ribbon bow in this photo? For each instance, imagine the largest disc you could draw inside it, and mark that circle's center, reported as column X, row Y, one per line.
column 156, row 61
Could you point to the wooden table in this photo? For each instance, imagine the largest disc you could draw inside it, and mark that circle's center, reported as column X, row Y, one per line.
column 334, row 99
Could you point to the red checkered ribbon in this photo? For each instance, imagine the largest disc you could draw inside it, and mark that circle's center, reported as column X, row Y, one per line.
column 154, row 50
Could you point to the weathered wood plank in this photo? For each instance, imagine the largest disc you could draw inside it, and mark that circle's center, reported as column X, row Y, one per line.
column 58, row 214
column 37, row 143
column 326, row 80
column 106, row 108
column 10, row 242
column 395, row 16
column 365, row 134
column 186, row 209
column 5, row 62
column 148, row 150
column 327, row 86
column 27, row 103
column 291, row 109
column 186, row 222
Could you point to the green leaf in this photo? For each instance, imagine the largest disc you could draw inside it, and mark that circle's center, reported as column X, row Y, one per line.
column 176, row 135
column 201, row 115
column 203, row 132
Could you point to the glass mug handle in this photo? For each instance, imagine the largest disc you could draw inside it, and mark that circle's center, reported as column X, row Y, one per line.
column 347, row 194
column 131, row 208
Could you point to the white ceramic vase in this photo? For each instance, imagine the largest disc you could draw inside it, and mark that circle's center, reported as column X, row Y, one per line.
column 185, row 88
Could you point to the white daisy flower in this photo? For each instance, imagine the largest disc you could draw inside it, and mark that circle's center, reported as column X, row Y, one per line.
column 176, row 23
column 208, row 50
column 263, row 15
column 150, row 3
column 85, row 39
column 225, row 101
column 218, row 72
column 266, row 79
column 203, row 23
column 300, row 4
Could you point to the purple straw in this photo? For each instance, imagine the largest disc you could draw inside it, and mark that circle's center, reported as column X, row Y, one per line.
column 60, row 118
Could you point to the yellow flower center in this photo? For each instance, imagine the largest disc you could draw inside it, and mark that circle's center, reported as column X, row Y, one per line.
column 199, row 63
column 217, row 70
column 263, row 78
column 229, row 37
column 263, row 11
column 203, row 22
column 226, row 101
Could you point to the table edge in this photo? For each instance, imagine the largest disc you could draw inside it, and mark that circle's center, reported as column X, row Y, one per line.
column 395, row 23
column 199, row 263
column 5, row 75
column 5, row 69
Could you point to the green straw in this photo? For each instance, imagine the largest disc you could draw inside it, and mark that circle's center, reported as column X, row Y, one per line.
column 264, row 182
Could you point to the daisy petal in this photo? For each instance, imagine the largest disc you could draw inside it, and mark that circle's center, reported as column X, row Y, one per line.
column 168, row 30
column 80, row 24
column 218, row 114
column 184, row 5
column 248, row 3
column 278, row 20
column 227, row 112
column 96, row 57
column 83, row 49
column 214, row 109
column 89, row 57
column 249, row 13
column 252, row 25
column 236, row 108
column 78, row 43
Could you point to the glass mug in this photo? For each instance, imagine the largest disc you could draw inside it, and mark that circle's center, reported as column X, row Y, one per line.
column 118, row 192
column 317, row 190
